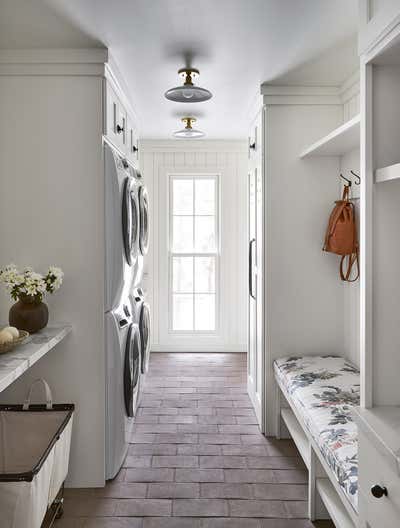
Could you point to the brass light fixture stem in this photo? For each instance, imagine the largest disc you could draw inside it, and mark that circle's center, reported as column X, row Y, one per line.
column 188, row 74
column 188, row 121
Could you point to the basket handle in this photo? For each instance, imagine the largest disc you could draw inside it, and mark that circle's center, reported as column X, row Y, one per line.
column 49, row 397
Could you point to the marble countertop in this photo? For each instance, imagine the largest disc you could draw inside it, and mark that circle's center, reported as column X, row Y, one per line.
column 381, row 425
column 13, row 364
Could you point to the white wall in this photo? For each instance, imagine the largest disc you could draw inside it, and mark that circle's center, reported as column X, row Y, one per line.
column 351, row 290
column 229, row 159
column 51, row 213
column 304, row 294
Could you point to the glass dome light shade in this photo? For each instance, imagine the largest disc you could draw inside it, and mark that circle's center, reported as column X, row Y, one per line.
column 188, row 94
column 188, row 133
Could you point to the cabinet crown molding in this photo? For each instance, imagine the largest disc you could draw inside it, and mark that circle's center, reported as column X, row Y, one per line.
column 54, row 56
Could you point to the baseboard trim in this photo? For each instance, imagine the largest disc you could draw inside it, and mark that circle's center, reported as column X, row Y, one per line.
column 216, row 350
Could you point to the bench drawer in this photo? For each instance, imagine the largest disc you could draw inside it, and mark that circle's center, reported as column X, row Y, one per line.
column 376, row 469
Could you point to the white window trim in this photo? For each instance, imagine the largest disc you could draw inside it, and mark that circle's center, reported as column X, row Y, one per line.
column 194, row 175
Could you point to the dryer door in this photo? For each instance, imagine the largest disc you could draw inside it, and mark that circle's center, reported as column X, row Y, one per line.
column 144, row 220
column 132, row 370
column 144, row 328
column 130, row 221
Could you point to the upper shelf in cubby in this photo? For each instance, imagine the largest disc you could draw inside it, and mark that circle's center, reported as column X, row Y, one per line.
column 392, row 172
column 343, row 139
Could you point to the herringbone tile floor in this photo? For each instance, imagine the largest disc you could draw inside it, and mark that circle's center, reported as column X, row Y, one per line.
column 197, row 458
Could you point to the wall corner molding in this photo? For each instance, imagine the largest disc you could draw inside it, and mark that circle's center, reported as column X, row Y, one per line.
column 300, row 95
column 198, row 145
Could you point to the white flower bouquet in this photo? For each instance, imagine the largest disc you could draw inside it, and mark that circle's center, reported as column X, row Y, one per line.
column 28, row 283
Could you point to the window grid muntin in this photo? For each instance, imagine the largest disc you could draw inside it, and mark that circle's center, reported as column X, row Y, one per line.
column 215, row 253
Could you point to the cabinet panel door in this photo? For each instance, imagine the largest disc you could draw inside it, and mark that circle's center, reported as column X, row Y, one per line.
column 116, row 120
column 255, row 374
column 132, row 141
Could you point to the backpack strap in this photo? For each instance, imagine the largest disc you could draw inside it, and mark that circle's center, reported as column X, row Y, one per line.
column 351, row 260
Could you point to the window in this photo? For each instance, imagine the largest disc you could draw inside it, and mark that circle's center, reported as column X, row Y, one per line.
column 193, row 254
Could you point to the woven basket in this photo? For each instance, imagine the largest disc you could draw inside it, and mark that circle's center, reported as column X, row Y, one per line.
column 7, row 347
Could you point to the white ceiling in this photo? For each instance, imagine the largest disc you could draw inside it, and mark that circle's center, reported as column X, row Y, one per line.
column 236, row 44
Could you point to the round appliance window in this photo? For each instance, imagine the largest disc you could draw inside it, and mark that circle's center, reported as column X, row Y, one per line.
column 132, row 370
column 144, row 220
column 130, row 221
column 144, row 327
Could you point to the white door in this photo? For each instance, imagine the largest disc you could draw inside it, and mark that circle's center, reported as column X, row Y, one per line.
column 255, row 361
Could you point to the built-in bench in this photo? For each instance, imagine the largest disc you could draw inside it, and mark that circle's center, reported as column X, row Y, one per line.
column 318, row 395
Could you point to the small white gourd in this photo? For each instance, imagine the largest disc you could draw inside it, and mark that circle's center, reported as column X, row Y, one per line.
column 5, row 337
column 13, row 331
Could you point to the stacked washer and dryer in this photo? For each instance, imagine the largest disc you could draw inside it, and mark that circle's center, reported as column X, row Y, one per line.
column 127, row 315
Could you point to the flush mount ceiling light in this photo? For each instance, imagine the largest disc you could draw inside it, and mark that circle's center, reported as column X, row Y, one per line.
column 188, row 131
column 189, row 92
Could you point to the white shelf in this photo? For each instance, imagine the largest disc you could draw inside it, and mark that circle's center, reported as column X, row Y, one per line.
column 343, row 139
column 298, row 435
column 13, row 364
column 333, row 504
column 392, row 172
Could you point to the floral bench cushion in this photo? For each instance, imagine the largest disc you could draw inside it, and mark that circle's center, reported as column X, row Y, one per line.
column 323, row 390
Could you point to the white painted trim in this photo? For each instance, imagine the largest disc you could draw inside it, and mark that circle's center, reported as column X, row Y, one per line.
column 313, row 95
column 225, row 349
column 366, row 237
column 255, row 106
column 216, row 254
column 54, row 56
column 350, row 88
column 52, row 69
column 292, row 90
column 116, row 79
column 383, row 41
column 188, row 145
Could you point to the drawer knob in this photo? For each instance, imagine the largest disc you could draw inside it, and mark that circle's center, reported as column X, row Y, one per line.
column 379, row 491
column 119, row 129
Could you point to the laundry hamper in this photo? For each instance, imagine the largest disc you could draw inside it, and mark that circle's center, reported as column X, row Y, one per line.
column 34, row 454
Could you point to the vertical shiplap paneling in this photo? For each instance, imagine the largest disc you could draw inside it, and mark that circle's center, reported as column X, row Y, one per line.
column 232, row 164
column 200, row 159
column 190, row 159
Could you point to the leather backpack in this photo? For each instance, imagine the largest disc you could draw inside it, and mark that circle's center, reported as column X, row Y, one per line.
column 341, row 236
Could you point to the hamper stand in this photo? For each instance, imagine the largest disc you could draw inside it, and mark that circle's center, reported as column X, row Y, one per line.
column 34, row 454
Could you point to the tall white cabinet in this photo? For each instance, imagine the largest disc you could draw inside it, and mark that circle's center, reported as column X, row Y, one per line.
column 300, row 300
column 256, row 331
column 57, row 108
column 378, row 418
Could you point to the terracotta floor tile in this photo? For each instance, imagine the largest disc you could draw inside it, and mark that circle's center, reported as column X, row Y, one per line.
column 197, row 459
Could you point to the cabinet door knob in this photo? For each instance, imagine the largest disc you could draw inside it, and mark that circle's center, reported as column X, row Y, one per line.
column 252, row 146
column 379, row 491
column 119, row 129
column 134, row 148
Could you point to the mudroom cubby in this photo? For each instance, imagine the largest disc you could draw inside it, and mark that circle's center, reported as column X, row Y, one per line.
column 380, row 223
column 310, row 136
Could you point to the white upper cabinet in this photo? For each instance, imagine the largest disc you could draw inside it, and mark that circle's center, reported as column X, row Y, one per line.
column 116, row 117
column 132, row 140
column 376, row 19
column 119, row 125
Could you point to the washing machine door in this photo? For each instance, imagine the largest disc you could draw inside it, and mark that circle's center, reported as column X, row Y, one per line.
column 132, row 369
column 144, row 220
column 130, row 220
column 144, row 329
